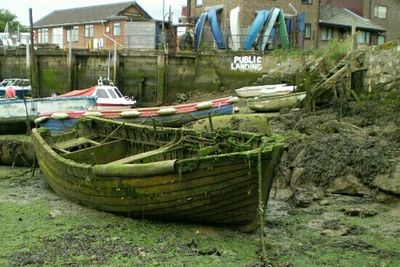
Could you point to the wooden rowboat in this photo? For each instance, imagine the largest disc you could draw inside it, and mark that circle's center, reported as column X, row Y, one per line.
column 169, row 174
column 275, row 103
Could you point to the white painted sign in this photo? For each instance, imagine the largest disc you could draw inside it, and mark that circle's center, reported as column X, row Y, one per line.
column 247, row 63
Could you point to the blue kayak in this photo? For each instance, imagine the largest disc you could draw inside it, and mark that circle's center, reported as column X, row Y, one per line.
column 255, row 29
column 198, row 30
column 215, row 29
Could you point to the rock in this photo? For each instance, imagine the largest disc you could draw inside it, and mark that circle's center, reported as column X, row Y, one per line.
column 299, row 159
column 324, row 202
column 341, row 231
column 295, row 179
column 389, row 182
column 359, row 212
column 303, row 197
column 384, row 198
column 348, row 185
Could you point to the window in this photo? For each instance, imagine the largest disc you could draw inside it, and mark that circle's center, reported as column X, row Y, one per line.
column 380, row 12
column 117, row 92
column 73, row 33
column 89, row 30
column 43, row 35
column 326, row 33
column 117, row 29
column 363, row 37
column 308, row 2
column 381, row 39
column 199, row 2
column 307, row 29
column 101, row 93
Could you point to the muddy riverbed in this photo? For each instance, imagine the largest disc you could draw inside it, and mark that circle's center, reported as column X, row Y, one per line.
column 335, row 203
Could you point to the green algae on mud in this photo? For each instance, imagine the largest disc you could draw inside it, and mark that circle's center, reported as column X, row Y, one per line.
column 41, row 229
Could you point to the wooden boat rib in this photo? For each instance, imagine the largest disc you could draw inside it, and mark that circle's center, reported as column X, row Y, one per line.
column 168, row 174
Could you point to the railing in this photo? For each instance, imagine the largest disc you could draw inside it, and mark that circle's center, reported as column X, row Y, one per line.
column 184, row 42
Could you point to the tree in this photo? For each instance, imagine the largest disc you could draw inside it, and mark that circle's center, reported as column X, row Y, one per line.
column 10, row 18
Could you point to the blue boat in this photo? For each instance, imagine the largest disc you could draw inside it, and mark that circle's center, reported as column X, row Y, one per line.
column 255, row 29
column 198, row 30
column 15, row 112
column 171, row 116
column 215, row 29
column 301, row 25
column 276, row 16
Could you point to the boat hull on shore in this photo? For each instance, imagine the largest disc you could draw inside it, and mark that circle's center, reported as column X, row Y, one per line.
column 253, row 91
column 167, row 174
column 275, row 103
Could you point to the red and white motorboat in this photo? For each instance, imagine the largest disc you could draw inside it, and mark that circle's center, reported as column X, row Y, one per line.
column 108, row 95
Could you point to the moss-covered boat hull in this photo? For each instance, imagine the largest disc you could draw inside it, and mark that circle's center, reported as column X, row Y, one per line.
column 144, row 172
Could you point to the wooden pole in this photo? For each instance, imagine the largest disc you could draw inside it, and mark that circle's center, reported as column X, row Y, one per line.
column 70, row 70
column 33, row 70
column 28, row 59
column 115, row 63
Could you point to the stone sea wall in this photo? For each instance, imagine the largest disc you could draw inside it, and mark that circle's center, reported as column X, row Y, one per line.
column 140, row 74
column 383, row 67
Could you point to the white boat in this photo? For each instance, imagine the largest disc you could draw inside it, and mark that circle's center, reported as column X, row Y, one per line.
column 253, row 91
column 108, row 95
column 281, row 90
column 14, row 112
column 22, row 87
column 275, row 103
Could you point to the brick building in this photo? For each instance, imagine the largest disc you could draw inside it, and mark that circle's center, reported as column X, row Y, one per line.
column 324, row 19
column 385, row 13
column 97, row 27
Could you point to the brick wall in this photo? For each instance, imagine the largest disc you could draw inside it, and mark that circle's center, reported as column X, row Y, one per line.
column 391, row 22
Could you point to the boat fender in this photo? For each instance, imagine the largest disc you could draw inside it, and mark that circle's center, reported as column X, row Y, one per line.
column 59, row 116
column 41, row 119
column 93, row 114
column 130, row 114
column 236, row 110
column 204, row 105
column 166, row 111
column 233, row 100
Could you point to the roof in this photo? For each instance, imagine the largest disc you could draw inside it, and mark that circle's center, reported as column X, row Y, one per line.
column 89, row 14
column 339, row 16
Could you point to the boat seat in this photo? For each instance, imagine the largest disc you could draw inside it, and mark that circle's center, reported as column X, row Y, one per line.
column 147, row 154
column 75, row 144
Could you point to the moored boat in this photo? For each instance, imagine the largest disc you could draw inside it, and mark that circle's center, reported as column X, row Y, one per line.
column 253, row 91
column 173, row 116
column 275, row 103
column 14, row 113
column 161, row 173
column 107, row 94
column 279, row 90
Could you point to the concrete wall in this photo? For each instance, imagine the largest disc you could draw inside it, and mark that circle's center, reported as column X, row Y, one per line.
column 138, row 73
